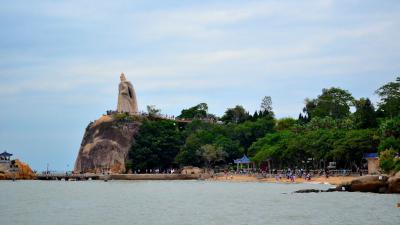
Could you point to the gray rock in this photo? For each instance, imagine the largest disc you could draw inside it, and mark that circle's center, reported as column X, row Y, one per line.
column 308, row 191
column 105, row 145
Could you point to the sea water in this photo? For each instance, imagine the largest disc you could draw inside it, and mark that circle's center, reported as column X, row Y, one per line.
column 187, row 203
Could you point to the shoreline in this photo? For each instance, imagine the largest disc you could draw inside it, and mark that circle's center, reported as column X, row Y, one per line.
column 314, row 180
column 334, row 180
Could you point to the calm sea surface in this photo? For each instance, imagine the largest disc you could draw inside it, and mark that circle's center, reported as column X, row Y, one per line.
column 187, row 202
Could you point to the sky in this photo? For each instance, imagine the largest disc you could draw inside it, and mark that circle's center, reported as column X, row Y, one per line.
column 60, row 61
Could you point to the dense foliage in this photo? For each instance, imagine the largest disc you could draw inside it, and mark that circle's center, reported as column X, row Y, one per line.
column 388, row 160
column 334, row 127
column 156, row 145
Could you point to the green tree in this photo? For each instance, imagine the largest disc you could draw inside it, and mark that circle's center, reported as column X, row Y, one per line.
column 248, row 132
column 273, row 147
column 188, row 155
column 330, row 123
column 310, row 106
column 199, row 111
column 285, row 124
column 390, row 134
column 350, row 148
column 319, row 144
column 235, row 115
column 153, row 111
column 389, row 143
column 156, row 145
column 390, row 98
column 391, row 127
column 388, row 161
column 231, row 147
column 212, row 154
column 365, row 116
column 333, row 102
column 266, row 104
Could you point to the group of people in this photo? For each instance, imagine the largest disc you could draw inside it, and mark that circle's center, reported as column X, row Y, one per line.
column 152, row 171
column 291, row 175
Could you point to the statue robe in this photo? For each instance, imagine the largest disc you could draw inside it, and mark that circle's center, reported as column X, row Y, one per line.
column 127, row 98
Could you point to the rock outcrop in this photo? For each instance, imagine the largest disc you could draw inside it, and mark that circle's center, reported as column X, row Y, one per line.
column 394, row 183
column 372, row 183
column 23, row 172
column 106, row 144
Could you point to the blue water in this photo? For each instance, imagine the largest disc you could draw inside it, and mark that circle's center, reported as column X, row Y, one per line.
column 187, row 203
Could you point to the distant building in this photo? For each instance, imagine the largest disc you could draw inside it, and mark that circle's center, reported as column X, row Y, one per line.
column 373, row 162
column 5, row 159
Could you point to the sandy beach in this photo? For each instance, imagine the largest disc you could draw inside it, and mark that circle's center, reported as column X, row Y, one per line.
column 251, row 178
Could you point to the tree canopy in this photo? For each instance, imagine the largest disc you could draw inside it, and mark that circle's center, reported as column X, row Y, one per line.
column 235, row 115
column 333, row 102
column 389, row 93
column 196, row 112
column 326, row 131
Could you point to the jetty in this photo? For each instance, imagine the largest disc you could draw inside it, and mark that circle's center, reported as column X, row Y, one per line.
column 64, row 176
column 82, row 177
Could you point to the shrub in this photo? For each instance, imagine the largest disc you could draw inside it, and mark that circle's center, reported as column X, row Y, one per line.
column 388, row 161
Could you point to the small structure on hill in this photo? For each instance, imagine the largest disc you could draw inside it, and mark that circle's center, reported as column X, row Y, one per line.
column 127, row 102
column 5, row 156
column 5, row 161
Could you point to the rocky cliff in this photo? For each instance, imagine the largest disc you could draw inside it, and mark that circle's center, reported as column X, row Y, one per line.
column 106, row 144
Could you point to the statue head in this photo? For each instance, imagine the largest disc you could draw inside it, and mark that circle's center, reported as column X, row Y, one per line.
column 122, row 77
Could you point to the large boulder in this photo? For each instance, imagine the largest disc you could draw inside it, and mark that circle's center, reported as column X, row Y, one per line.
column 370, row 183
column 24, row 171
column 394, row 183
column 191, row 170
column 106, row 144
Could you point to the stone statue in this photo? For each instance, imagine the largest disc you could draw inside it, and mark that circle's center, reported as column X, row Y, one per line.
column 126, row 97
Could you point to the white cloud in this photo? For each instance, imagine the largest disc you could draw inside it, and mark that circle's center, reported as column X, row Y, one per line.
column 210, row 62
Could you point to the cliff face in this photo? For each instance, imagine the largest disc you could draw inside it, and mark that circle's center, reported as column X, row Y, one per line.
column 105, row 145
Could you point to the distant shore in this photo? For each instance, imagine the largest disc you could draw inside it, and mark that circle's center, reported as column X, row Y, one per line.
column 335, row 180
column 321, row 180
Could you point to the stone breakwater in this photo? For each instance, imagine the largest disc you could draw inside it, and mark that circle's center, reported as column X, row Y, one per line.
column 151, row 177
column 119, row 177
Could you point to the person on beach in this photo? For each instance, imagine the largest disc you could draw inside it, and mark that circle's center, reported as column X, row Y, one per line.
column 326, row 173
column 308, row 177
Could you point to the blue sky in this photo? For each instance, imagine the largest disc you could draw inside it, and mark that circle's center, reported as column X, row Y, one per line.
column 60, row 60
